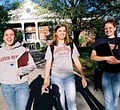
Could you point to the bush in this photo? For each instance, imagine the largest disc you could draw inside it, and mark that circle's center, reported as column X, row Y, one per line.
column 38, row 45
column 88, row 63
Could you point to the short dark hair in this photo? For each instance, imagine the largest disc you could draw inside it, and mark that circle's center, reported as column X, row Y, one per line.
column 10, row 29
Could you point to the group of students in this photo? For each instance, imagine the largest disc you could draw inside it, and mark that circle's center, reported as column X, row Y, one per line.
column 58, row 71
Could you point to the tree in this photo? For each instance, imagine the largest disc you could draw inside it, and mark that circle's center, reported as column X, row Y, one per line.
column 4, row 16
column 8, row 4
column 83, row 13
column 3, row 19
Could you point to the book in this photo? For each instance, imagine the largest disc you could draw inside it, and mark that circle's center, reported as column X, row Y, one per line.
column 104, row 50
column 22, row 60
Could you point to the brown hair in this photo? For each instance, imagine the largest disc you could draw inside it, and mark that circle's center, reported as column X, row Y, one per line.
column 110, row 20
column 66, row 39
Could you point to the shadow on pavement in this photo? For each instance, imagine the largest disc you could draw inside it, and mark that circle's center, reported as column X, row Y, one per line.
column 93, row 103
column 46, row 101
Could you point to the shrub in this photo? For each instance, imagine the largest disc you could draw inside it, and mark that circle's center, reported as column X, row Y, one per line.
column 88, row 63
column 37, row 45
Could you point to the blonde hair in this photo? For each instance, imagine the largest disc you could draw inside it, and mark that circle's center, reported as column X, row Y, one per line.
column 66, row 39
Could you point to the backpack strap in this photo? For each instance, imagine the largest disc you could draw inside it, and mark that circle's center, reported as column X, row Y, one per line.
column 52, row 51
column 71, row 46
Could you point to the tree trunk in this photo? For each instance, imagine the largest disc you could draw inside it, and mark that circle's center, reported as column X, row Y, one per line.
column 76, row 35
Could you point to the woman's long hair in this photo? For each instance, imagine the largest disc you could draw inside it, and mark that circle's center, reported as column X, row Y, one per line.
column 66, row 39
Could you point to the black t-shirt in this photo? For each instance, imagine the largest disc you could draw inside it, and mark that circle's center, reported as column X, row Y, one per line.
column 114, row 68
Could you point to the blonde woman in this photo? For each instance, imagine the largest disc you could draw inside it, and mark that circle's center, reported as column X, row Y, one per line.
column 62, row 74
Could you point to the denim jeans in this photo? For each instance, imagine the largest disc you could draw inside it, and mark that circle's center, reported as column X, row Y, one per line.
column 66, row 87
column 16, row 95
column 111, row 90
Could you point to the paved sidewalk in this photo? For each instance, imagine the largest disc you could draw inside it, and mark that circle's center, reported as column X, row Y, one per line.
column 81, row 102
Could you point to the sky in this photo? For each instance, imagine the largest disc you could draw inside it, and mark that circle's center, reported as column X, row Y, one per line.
column 2, row 1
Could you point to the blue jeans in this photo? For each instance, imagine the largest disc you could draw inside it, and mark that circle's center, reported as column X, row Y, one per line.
column 111, row 90
column 66, row 87
column 16, row 95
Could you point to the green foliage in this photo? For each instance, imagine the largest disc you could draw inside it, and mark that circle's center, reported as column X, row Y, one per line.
column 10, row 5
column 1, row 38
column 19, row 36
column 38, row 45
column 43, row 47
column 4, row 17
column 14, row 5
column 81, row 39
column 83, row 61
column 86, row 62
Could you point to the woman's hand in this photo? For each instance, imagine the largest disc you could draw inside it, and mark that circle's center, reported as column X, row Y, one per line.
column 110, row 58
column 113, row 60
column 84, row 82
column 45, row 86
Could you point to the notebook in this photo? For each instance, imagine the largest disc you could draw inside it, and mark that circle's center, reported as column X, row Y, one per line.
column 22, row 60
column 104, row 50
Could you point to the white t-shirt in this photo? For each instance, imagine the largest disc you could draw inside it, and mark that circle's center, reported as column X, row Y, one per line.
column 62, row 64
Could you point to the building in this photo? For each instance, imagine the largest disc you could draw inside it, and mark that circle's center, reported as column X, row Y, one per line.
column 31, row 19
